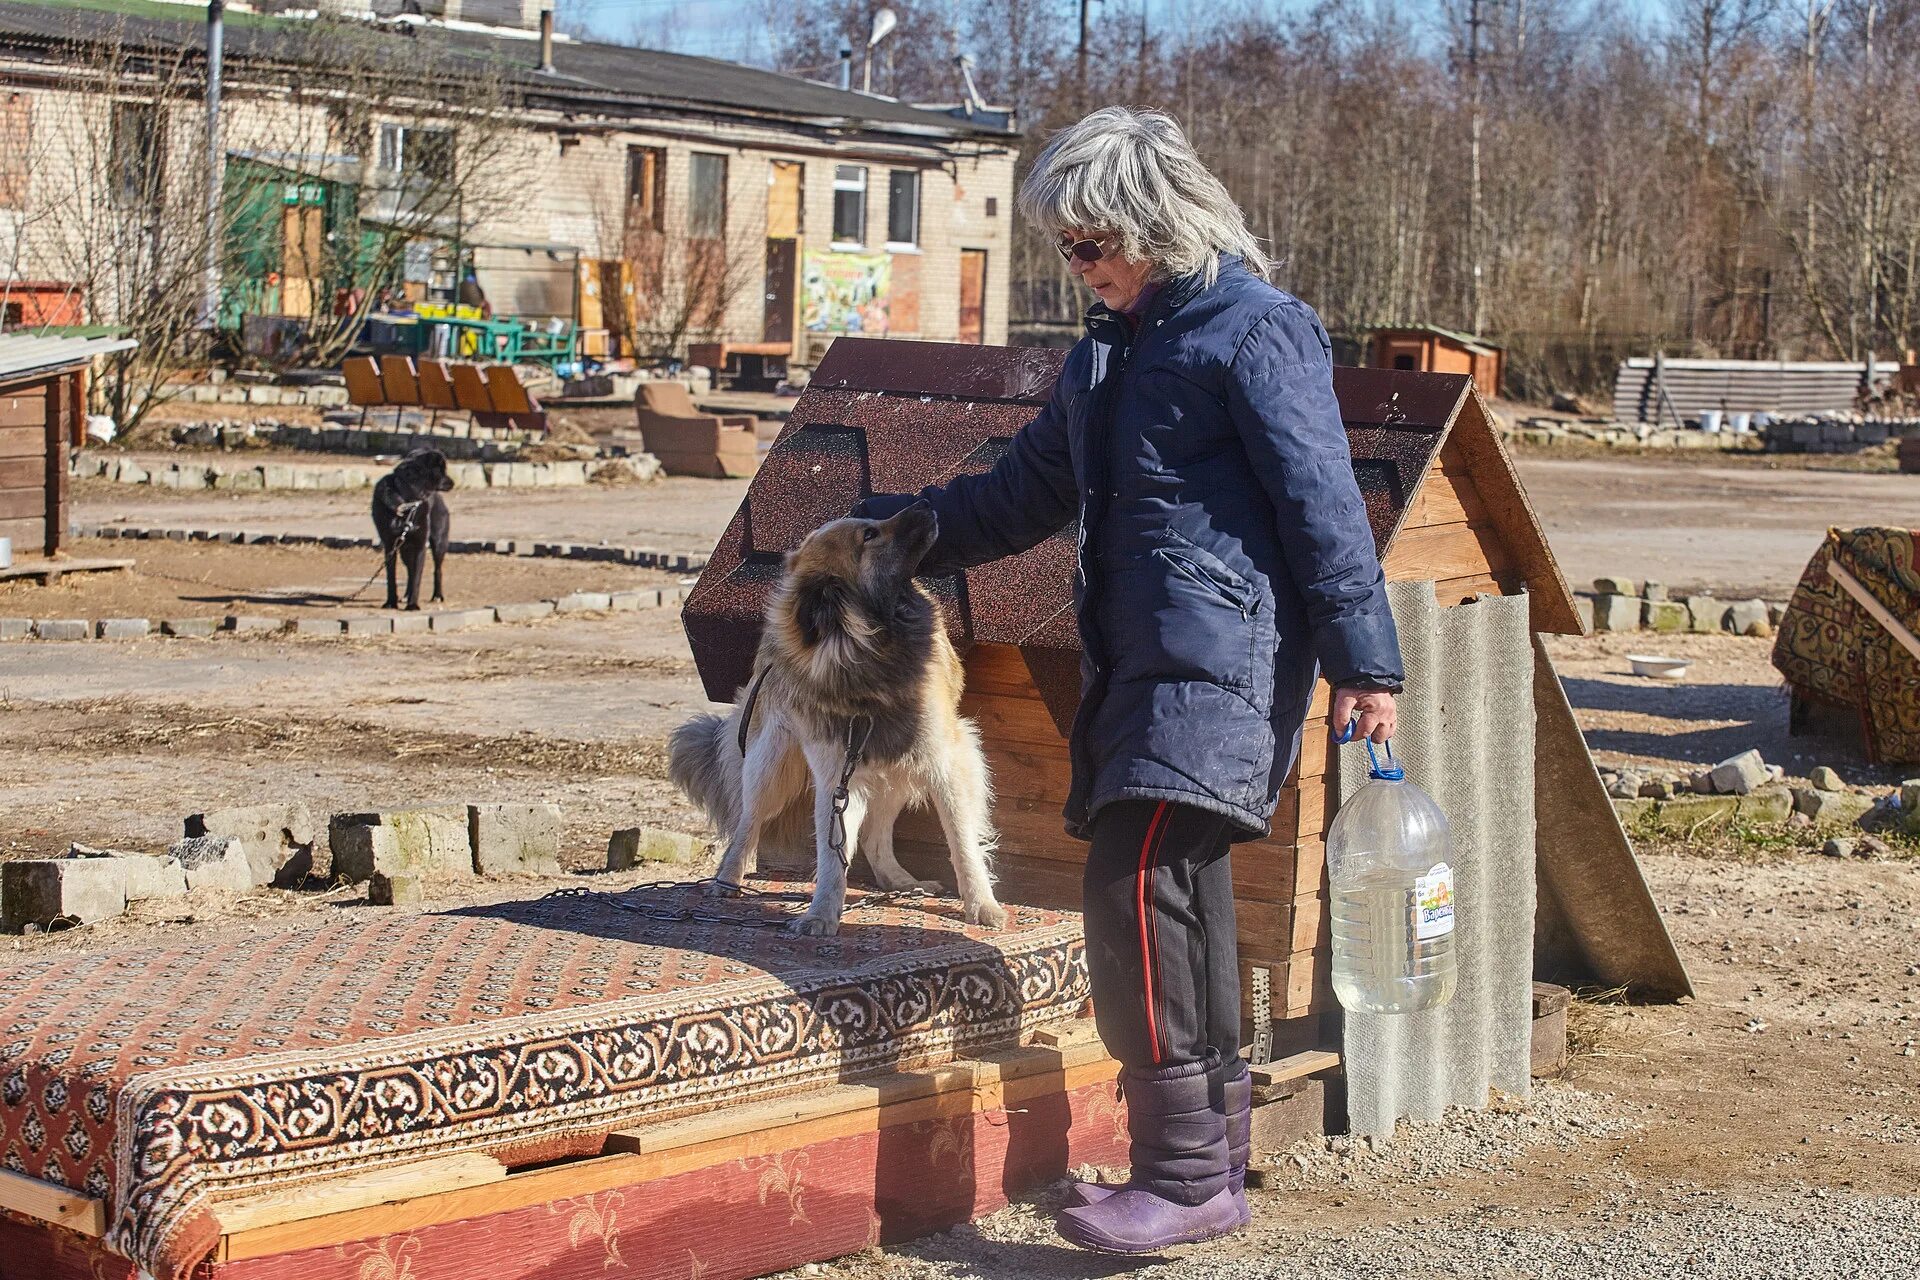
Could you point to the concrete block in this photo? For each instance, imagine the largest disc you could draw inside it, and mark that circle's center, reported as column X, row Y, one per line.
column 62, row 629
column 251, row 624
column 628, row 601
column 584, row 601
column 467, row 475
column 278, row 838
column 631, row 846
column 411, row 841
column 1704, row 614
column 460, row 619
column 1583, row 607
column 1653, row 591
column 149, row 877
column 122, row 628
column 374, row 625
column 276, row 475
column 526, row 611
column 1613, row 587
column 1738, row 775
column 316, row 626
column 249, row 480
column 15, row 628
column 1749, row 618
column 396, row 890
column 410, row 623
column 1770, row 804
column 514, row 839
column 1664, row 615
column 213, row 862
column 38, row 891
column 1616, row 612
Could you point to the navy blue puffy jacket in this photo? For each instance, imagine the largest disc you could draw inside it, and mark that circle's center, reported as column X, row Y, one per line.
column 1224, row 549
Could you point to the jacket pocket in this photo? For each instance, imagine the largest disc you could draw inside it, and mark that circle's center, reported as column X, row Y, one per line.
column 1239, row 595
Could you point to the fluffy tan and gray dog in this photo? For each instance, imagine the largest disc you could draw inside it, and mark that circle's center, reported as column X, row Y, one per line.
column 853, row 649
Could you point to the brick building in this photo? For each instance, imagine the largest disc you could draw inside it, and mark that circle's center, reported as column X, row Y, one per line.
column 794, row 210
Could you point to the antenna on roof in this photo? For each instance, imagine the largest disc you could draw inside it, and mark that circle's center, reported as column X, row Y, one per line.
column 975, row 103
column 883, row 24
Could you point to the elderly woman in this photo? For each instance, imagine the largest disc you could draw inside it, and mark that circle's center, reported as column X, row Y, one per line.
column 1224, row 556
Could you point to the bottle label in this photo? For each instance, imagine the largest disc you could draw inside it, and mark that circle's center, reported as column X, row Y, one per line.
column 1433, row 903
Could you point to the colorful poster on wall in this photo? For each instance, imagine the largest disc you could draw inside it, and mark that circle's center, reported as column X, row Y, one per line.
column 845, row 292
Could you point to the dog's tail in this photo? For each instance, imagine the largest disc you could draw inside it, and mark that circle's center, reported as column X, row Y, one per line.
column 703, row 761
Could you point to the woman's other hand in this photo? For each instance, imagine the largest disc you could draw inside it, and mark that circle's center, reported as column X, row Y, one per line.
column 1375, row 710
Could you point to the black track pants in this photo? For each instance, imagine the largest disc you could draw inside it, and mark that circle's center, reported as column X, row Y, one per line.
column 1160, row 939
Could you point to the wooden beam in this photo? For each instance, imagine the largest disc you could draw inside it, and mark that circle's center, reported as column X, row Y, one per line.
column 545, row 1184
column 1294, row 1067
column 298, row 1202
column 49, row 1202
column 1881, row 614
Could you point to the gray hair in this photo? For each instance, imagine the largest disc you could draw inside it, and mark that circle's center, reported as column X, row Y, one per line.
column 1133, row 173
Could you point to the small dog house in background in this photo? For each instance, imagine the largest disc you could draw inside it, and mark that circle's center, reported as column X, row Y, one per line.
column 43, row 411
column 1426, row 348
column 1446, row 508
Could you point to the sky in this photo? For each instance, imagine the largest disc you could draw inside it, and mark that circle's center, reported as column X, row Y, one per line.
column 738, row 29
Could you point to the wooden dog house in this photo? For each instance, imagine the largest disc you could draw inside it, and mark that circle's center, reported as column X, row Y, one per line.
column 43, row 410
column 1445, row 506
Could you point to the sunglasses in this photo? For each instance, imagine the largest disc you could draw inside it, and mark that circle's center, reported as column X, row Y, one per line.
column 1085, row 250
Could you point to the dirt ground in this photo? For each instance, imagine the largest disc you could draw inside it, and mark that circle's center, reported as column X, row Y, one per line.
column 1768, row 1127
column 680, row 514
column 204, row 579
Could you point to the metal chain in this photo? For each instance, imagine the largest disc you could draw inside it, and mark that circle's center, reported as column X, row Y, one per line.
column 859, row 729
column 633, row 901
column 407, row 509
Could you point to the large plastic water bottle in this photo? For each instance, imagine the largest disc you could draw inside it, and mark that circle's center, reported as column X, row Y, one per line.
column 1390, row 868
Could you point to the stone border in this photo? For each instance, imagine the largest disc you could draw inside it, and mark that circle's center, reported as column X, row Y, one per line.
column 354, row 626
column 362, row 624
column 244, row 477
column 1620, row 604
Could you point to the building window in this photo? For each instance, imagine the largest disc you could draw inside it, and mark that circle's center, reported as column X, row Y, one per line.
column 135, row 154
column 849, row 204
column 993, row 206
column 903, row 207
column 423, row 153
column 16, row 137
column 707, row 197
column 646, row 189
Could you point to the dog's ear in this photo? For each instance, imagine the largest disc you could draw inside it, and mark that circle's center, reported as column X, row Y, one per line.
column 819, row 608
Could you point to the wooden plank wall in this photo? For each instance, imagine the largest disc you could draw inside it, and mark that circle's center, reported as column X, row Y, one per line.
column 1280, row 883
column 33, row 477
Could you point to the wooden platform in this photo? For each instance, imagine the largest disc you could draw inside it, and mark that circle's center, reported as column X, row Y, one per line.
column 740, row 1192
column 51, row 571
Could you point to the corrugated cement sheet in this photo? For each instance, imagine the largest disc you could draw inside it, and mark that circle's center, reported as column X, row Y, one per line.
column 1467, row 736
column 1737, row 386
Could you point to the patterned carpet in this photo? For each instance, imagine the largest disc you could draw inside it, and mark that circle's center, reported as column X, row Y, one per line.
column 161, row 1080
column 1831, row 649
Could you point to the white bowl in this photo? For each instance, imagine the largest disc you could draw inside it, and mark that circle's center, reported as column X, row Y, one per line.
column 1656, row 668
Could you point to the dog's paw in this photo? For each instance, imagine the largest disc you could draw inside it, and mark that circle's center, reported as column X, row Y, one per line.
column 720, row 889
column 813, row 926
column 988, row 913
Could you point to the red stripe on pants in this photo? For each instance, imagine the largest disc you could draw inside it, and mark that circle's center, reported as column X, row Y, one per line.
column 1143, row 890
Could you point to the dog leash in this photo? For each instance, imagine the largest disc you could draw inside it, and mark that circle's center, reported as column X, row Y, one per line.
column 406, row 509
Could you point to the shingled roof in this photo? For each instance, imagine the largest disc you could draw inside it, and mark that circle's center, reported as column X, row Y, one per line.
column 885, row 416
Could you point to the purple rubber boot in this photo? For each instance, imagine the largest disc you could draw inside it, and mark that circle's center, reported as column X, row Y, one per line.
column 1236, row 1090
column 1179, row 1192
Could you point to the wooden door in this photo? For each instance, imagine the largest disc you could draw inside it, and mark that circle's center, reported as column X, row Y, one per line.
column 973, row 295
column 784, row 214
column 783, row 268
column 303, row 244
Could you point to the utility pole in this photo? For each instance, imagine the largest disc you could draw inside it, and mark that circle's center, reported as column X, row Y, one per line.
column 1080, row 55
column 216, row 160
column 1476, row 302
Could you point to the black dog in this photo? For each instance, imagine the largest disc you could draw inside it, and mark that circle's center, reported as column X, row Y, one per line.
column 411, row 516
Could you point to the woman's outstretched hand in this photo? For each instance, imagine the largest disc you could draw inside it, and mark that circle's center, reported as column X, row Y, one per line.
column 1378, row 717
